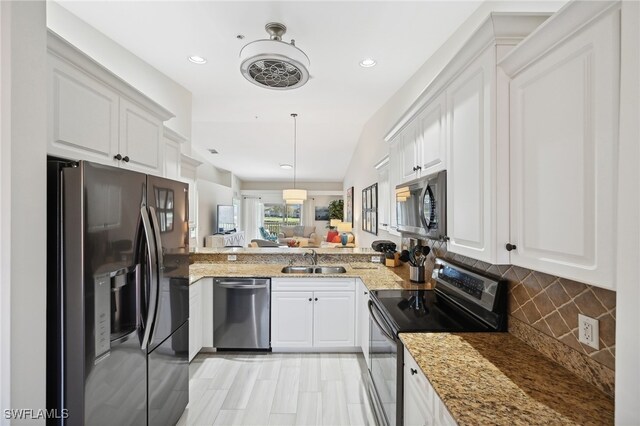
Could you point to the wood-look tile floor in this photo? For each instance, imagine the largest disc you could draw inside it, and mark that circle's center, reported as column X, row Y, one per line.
column 277, row 389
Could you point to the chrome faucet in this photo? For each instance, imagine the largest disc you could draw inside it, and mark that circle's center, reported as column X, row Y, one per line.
column 313, row 255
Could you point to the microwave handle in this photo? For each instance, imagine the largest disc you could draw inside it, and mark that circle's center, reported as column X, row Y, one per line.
column 426, row 192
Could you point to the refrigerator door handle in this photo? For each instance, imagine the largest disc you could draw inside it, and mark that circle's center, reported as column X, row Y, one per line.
column 156, row 228
column 160, row 260
column 153, row 278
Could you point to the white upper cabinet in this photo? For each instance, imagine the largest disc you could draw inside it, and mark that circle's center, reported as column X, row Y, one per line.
column 96, row 116
column 395, row 160
column 431, row 142
column 472, row 161
column 172, row 151
column 83, row 114
column 384, row 194
column 564, row 117
column 140, row 138
column 422, row 143
column 460, row 123
column 408, row 151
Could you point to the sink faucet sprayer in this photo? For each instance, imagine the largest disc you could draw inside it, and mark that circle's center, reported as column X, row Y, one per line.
column 313, row 255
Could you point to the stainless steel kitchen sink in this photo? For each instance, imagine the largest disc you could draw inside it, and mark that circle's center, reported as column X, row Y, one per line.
column 330, row 270
column 314, row 270
column 297, row 270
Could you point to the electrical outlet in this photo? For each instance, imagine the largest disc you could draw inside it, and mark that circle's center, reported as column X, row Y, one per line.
column 232, row 257
column 375, row 259
column 588, row 332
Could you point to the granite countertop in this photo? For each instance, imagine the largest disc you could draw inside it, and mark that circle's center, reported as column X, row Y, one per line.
column 375, row 276
column 283, row 250
column 495, row 378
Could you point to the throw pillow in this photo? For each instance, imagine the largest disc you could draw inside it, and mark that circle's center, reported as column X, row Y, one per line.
column 298, row 231
column 331, row 235
column 308, row 230
column 287, row 231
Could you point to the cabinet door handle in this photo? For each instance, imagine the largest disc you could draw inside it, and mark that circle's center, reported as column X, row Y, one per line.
column 117, row 157
column 418, row 168
column 316, row 299
column 414, row 168
column 414, row 371
column 366, row 293
column 310, row 299
column 125, row 158
column 510, row 247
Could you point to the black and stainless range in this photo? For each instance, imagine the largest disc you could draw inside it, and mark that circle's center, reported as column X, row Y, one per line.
column 462, row 301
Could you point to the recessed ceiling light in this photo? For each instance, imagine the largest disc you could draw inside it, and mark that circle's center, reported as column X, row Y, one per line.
column 213, row 151
column 368, row 63
column 240, row 36
column 197, row 60
column 286, row 166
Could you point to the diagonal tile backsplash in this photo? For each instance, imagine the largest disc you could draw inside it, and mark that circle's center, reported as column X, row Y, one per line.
column 550, row 306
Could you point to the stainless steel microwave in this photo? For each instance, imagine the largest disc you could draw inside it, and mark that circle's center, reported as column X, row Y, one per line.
column 421, row 205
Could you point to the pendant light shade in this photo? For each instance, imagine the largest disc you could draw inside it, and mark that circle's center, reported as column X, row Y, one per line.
column 294, row 196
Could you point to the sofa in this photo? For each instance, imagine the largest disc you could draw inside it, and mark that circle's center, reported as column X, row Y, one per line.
column 306, row 235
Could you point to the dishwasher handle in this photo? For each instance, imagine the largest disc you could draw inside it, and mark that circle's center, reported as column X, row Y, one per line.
column 241, row 286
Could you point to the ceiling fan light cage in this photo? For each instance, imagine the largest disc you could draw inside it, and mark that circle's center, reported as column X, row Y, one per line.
column 274, row 64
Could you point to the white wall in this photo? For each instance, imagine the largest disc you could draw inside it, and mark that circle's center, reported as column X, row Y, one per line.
column 628, row 253
column 23, row 201
column 371, row 146
column 210, row 194
column 127, row 66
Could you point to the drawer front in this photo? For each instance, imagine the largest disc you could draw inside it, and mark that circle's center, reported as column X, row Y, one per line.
column 313, row 284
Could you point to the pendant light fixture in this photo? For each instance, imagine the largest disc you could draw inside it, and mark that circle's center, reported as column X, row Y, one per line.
column 294, row 196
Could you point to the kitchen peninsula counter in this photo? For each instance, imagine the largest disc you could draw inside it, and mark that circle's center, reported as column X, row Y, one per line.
column 375, row 276
column 495, row 378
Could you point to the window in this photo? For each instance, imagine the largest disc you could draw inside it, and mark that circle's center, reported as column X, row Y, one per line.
column 278, row 214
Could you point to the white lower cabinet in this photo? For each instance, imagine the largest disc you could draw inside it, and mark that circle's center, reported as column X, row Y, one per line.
column 292, row 319
column 195, row 319
column 422, row 405
column 362, row 312
column 312, row 313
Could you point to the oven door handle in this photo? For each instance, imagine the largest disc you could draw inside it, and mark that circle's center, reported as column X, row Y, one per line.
column 384, row 330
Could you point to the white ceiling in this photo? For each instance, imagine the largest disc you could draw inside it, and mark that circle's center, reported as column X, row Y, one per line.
column 251, row 127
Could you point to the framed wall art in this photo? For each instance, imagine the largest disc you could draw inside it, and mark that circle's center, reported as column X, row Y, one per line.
column 370, row 209
column 348, row 216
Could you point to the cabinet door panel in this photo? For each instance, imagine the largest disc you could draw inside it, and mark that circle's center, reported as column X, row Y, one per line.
column 140, row 135
column 394, row 180
column 83, row 115
column 292, row 319
column 563, row 150
column 469, row 177
column 432, row 148
column 408, row 152
column 334, row 319
column 171, row 160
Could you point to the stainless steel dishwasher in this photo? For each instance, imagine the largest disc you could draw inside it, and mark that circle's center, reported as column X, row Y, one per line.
column 241, row 313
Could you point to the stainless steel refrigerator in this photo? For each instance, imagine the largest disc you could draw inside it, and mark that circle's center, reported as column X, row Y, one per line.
column 117, row 295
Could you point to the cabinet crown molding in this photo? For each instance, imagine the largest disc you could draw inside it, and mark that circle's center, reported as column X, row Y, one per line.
column 569, row 20
column 173, row 135
column 185, row 159
column 67, row 52
column 499, row 28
